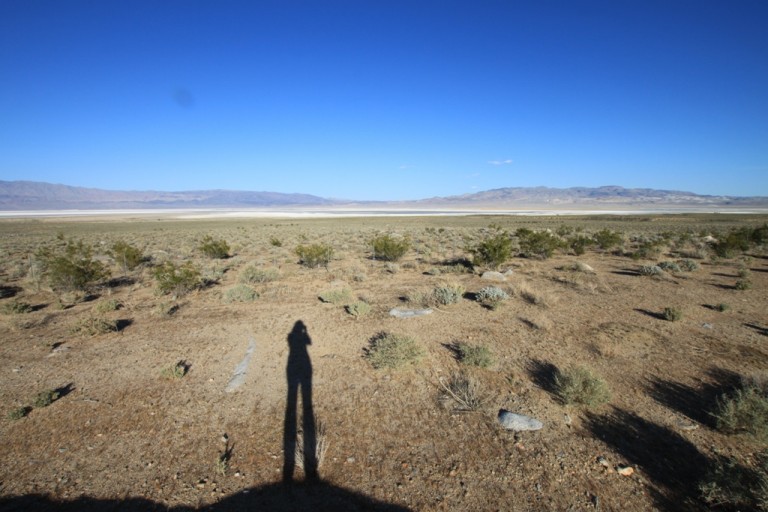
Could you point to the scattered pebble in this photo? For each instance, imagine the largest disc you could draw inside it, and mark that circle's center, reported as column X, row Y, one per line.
column 602, row 461
column 625, row 470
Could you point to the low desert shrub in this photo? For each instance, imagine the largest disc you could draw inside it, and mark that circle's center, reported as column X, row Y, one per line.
column 240, row 293
column 580, row 386
column 336, row 296
column 107, row 305
column 743, row 411
column 391, row 351
column 538, row 244
column 256, row 275
column 275, row 242
column 71, row 267
column 734, row 486
column 722, row 307
column 313, row 256
column 214, row 249
column 18, row 412
column 175, row 279
column 446, row 294
column 743, row 284
column 607, row 239
column 670, row 266
column 650, row 270
column 493, row 251
column 688, row 265
column 474, row 355
column 176, row 371
column 579, row 244
column 491, row 296
column 465, row 391
column 45, row 398
column 126, row 255
column 358, row 309
column 16, row 307
column 387, row 248
column 672, row 314
column 93, row 325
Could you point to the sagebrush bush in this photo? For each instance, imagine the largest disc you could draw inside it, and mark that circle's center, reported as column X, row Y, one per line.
column 580, row 386
column 358, row 309
column 448, row 294
column 607, row 239
column 240, row 293
column 71, row 267
column 126, row 255
column 493, row 251
column 672, row 314
column 16, row 307
column 731, row 485
column 387, row 248
column 93, row 325
column 391, row 351
column 177, row 279
column 670, row 266
column 579, row 244
column 336, row 296
column 743, row 284
column 107, row 305
column 746, row 410
column 18, row 413
column 314, row 255
column 176, row 371
column 465, row 391
column 688, row 265
column 45, row 398
column 256, row 275
column 474, row 355
column 650, row 270
column 214, row 249
column 491, row 296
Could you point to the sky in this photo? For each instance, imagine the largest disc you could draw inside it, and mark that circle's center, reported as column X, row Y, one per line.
column 385, row 99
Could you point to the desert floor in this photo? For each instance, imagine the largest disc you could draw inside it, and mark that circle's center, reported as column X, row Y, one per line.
column 123, row 435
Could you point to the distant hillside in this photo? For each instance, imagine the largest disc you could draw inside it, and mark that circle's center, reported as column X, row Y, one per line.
column 582, row 196
column 31, row 195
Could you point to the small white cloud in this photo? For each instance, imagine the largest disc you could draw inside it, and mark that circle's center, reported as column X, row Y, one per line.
column 474, row 175
column 500, row 162
column 405, row 166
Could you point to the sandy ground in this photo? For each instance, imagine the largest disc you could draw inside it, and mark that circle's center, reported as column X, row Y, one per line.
column 125, row 437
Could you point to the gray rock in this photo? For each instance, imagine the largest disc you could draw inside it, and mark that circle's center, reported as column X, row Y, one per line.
column 518, row 422
column 409, row 313
column 239, row 376
column 493, row 276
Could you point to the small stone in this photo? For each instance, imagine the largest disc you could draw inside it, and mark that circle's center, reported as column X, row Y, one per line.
column 707, row 326
column 602, row 461
column 409, row 313
column 625, row 470
column 493, row 276
column 350, row 460
column 518, row 422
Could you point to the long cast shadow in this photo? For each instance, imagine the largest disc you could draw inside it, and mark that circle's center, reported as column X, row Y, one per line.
column 299, row 375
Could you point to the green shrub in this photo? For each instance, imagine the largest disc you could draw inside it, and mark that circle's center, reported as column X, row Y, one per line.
column 648, row 249
column 541, row 244
column 670, row 266
column 746, row 410
column 18, row 413
column 730, row 485
column 254, row 275
column 391, row 351
column 275, row 242
column 722, row 307
column 650, row 270
column 315, row 255
column 743, row 284
column 579, row 244
column 176, row 371
column 214, row 249
column 126, row 255
column 240, row 293
column 336, row 296
column 71, row 267
column 607, row 239
column 45, row 398
column 688, row 265
column 175, row 279
column 388, row 248
column 105, row 306
column 16, row 307
column 581, row 386
column 492, row 252
column 358, row 309
column 474, row 355
column 672, row 314
column 93, row 325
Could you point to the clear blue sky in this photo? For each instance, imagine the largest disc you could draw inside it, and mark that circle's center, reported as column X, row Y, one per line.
column 385, row 99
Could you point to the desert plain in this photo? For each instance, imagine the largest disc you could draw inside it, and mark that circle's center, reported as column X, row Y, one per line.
column 146, row 410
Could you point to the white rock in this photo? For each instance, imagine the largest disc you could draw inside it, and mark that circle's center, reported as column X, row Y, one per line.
column 493, row 276
column 518, row 422
column 409, row 313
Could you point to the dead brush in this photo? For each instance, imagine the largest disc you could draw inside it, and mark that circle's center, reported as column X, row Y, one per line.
column 533, row 296
column 321, row 446
column 465, row 391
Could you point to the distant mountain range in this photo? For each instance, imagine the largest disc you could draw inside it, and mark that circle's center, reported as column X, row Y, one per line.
column 31, row 195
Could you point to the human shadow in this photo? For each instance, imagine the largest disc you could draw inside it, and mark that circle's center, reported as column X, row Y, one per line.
column 672, row 462
column 299, row 376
